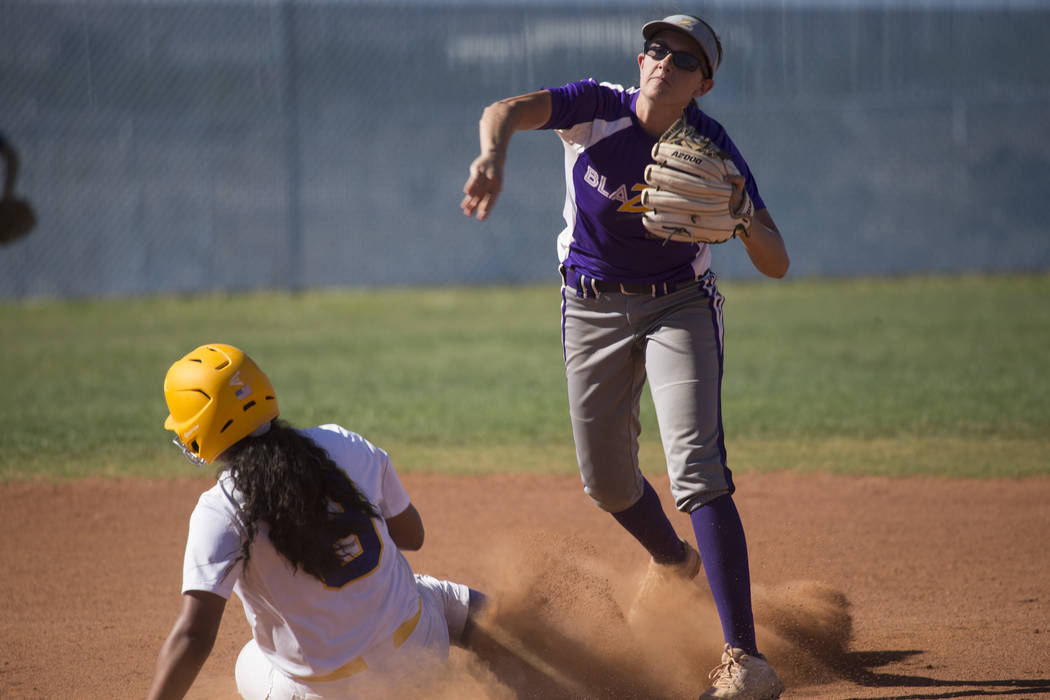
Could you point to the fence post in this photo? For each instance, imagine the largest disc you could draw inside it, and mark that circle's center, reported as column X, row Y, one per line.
column 292, row 156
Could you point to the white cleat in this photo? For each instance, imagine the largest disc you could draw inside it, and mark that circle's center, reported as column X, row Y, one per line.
column 743, row 677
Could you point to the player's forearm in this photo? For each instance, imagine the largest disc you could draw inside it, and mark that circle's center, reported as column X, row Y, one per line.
column 495, row 130
column 765, row 246
column 180, row 660
column 501, row 119
column 498, row 123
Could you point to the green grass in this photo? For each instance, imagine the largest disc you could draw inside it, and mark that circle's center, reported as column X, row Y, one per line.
column 942, row 376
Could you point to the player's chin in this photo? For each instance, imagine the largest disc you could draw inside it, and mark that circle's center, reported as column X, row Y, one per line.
column 657, row 90
column 664, row 89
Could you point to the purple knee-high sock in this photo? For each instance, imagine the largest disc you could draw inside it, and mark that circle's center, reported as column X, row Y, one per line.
column 723, row 549
column 648, row 523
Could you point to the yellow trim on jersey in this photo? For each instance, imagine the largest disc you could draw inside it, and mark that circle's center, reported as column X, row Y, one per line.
column 401, row 634
column 407, row 627
column 345, row 671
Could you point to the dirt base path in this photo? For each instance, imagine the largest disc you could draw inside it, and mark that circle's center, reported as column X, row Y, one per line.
column 942, row 586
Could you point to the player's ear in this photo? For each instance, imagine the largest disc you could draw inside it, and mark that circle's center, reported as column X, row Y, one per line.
column 641, row 57
column 705, row 87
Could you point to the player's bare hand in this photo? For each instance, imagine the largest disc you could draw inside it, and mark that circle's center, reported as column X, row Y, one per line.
column 483, row 186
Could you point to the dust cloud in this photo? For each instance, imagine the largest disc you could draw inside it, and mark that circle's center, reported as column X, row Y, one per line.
column 565, row 625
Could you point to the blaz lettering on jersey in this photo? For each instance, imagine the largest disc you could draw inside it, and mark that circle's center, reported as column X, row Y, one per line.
column 634, row 204
column 592, row 178
column 631, row 205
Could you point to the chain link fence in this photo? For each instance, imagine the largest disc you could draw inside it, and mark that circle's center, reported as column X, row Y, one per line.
column 196, row 146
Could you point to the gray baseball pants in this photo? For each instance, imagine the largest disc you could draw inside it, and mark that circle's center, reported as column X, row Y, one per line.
column 612, row 343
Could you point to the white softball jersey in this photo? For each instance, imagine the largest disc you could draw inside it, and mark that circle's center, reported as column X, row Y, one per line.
column 364, row 616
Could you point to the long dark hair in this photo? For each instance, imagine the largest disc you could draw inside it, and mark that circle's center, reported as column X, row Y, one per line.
column 289, row 482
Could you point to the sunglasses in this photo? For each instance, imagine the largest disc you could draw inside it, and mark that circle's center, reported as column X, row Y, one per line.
column 683, row 59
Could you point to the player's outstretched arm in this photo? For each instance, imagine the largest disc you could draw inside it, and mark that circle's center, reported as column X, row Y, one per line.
column 765, row 246
column 498, row 123
column 188, row 645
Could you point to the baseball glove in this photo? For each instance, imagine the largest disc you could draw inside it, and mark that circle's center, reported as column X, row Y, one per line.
column 17, row 218
column 689, row 196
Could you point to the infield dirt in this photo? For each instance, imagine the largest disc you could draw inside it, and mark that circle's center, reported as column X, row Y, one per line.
column 863, row 587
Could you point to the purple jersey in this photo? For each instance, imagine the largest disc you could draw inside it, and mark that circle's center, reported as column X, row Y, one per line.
column 606, row 151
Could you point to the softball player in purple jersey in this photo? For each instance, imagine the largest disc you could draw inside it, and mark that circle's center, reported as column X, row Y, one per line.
column 637, row 308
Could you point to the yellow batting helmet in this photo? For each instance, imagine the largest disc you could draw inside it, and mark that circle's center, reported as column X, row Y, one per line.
column 216, row 396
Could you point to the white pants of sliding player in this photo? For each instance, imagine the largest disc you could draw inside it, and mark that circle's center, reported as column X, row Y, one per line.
column 385, row 671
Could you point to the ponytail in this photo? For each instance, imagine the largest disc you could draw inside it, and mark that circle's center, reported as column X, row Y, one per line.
column 289, row 482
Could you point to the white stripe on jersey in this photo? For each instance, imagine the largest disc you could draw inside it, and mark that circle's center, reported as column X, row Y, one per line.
column 575, row 141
